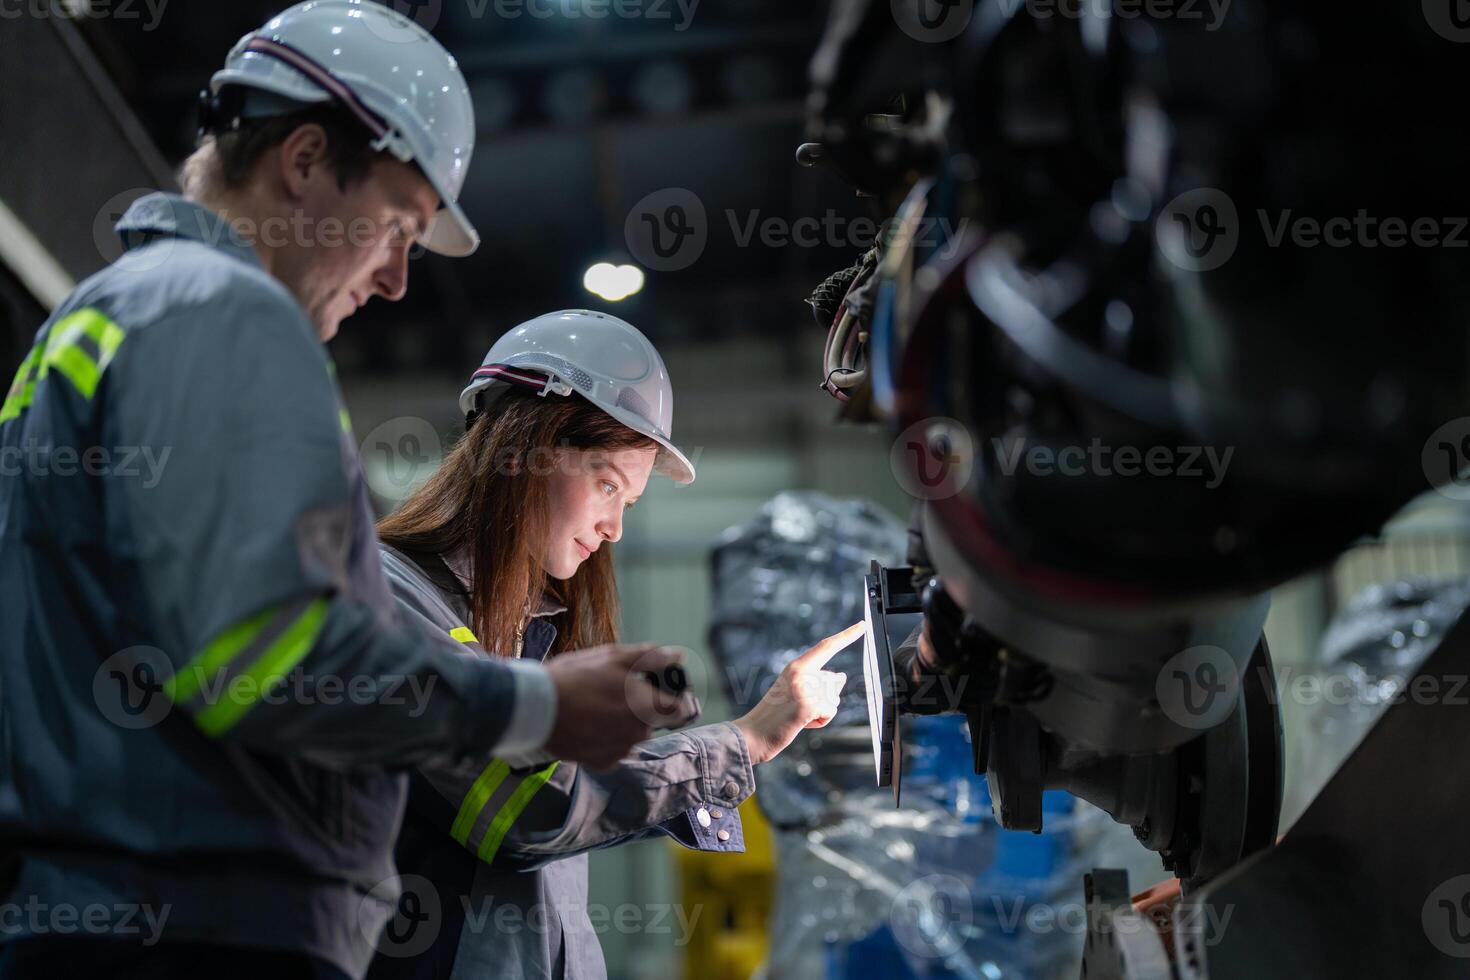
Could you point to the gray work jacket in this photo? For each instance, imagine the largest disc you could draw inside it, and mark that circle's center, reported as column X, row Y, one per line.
column 494, row 860
column 203, row 683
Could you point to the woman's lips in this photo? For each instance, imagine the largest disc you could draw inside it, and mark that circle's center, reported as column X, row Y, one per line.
column 586, row 552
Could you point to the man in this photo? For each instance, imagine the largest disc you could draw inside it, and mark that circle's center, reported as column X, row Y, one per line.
column 202, row 684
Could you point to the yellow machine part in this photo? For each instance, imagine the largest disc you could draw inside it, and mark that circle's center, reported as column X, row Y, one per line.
column 730, row 939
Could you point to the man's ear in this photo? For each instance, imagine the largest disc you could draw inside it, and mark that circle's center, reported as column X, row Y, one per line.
column 303, row 157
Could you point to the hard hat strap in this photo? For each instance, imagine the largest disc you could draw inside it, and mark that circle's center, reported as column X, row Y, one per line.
column 335, row 87
column 542, row 381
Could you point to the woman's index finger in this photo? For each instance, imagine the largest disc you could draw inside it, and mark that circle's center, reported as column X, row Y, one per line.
column 825, row 650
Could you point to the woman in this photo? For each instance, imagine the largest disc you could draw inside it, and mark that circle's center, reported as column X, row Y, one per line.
column 504, row 549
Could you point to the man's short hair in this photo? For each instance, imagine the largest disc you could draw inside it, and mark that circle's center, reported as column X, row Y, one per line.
column 231, row 154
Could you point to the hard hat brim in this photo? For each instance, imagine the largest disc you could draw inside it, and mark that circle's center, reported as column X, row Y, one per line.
column 450, row 231
column 671, row 462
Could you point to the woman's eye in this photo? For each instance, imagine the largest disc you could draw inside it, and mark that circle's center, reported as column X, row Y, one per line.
column 609, row 488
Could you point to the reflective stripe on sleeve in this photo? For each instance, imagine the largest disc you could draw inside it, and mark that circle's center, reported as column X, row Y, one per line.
column 509, row 813
column 283, row 639
column 65, row 354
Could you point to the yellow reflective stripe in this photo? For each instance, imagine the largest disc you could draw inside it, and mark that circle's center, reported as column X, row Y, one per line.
column 63, row 354
column 508, row 814
column 22, row 389
column 79, row 369
column 187, row 681
column 463, row 635
column 344, row 420
column 268, row 670
column 476, row 798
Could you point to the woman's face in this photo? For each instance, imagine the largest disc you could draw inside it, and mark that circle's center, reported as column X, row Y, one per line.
column 589, row 491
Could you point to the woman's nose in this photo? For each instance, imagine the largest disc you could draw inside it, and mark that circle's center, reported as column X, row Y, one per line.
column 611, row 527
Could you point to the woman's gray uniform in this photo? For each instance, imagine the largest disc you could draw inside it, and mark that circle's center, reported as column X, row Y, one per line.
column 493, row 860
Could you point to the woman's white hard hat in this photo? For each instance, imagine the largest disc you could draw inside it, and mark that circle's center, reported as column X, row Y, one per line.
column 605, row 360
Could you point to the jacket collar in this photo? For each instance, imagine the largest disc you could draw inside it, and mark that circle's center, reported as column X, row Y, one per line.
column 168, row 215
column 459, row 563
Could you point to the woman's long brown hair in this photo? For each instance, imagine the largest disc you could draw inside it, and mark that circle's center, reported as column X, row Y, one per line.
column 491, row 494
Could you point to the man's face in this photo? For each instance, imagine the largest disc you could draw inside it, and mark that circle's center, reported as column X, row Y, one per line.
column 346, row 247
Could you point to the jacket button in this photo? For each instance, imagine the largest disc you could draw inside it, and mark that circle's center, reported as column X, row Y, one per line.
column 703, row 817
column 723, row 835
column 716, row 814
column 732, row 788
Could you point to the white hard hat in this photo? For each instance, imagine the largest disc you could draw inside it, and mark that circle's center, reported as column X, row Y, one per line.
column 603, row 359
column 388, row 72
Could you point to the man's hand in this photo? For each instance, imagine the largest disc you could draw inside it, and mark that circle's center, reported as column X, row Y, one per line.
column 600, row 715
column 804, row 696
